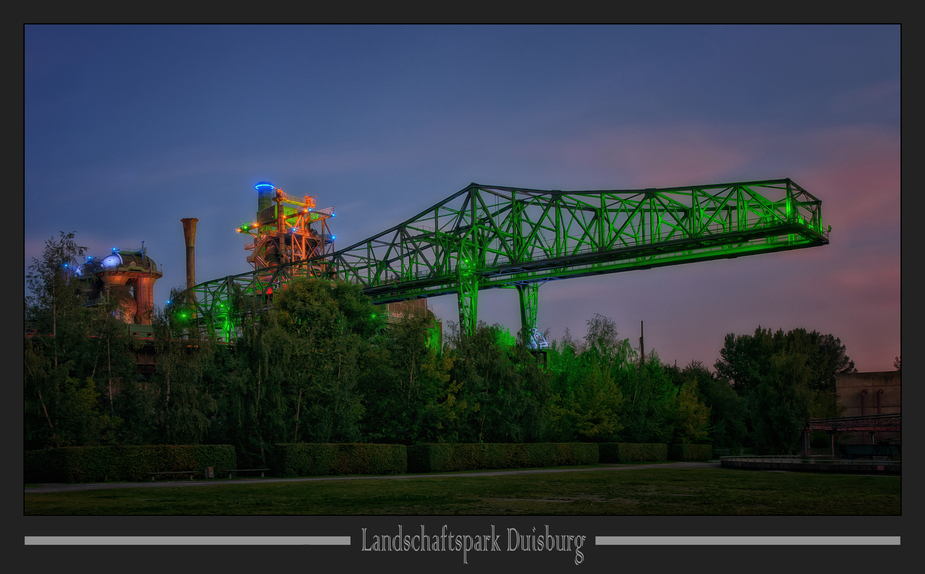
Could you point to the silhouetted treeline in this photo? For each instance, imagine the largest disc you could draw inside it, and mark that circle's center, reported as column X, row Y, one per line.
column 322, row 365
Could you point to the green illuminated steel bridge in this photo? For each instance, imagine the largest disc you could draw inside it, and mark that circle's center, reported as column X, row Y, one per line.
column 486, row 237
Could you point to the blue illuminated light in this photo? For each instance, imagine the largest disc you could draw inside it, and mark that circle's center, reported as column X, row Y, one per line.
column 264, row 185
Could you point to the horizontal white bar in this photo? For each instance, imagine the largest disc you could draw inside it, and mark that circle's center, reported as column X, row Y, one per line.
column 744, row 540
column 189, row 540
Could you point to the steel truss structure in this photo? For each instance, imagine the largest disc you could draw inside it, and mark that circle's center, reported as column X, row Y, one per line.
column 486, row 237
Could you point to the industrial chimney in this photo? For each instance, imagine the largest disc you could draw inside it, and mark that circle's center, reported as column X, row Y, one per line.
column 189, row 235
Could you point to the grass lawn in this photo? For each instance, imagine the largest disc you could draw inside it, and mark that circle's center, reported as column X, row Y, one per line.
column 652, row 491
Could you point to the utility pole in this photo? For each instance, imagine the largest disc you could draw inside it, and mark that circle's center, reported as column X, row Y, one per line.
column 642, row 348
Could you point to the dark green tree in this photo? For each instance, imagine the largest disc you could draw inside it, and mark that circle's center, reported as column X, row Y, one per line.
column 745, row 359
column 728, row 420
column 503, row 394
column 650, row 393
column 797, row 369
column 182, row 400
column 406, row 388
column 781, row 404
column 67, row 349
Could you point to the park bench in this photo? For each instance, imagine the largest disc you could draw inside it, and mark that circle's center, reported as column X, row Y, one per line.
column 154, row 475
column 236, row 470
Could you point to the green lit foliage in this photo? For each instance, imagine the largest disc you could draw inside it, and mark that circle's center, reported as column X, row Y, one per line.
column 587, row 402
column 294, row 373
column 180, row 390
column 649, row 393
column 504, row 396
column 252, row 409
column 744, row 359
column 326, row 332
column 406, row 387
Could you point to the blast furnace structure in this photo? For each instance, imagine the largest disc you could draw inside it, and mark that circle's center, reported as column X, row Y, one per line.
column 133, row 271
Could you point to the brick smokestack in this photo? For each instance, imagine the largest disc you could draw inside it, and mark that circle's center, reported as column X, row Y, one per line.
column 189, row 235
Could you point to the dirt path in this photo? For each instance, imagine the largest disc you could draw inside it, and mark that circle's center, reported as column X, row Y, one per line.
column 58, row 487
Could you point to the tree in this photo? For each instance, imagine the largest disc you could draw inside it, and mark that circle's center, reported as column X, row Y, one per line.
column 781, row 404
column 324, row 345
column 587, row 402
column 746, row 360
column 728, row 412
column 407, row 394
column 181, row 399
column 64, row 354
column 787, row 378
column 55, row 298
column 503, row 391
column 689, row 416
column 650, row 393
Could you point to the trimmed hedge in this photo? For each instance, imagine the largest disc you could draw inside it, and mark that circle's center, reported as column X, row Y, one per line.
column 690, row 452
column 448, row 457
column 311, row 459
column 623, row 452
column 122, row 463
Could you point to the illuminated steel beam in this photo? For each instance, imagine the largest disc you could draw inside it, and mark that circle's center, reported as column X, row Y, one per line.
column 485, row 237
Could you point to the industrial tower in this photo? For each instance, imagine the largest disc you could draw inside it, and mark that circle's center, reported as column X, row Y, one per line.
column 287, row 229
column 131, row 270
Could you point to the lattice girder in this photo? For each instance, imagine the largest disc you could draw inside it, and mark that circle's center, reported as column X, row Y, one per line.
column 486, row 237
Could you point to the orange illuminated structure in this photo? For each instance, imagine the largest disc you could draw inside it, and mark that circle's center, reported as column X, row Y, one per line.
column 287, row 229
column 133, row 272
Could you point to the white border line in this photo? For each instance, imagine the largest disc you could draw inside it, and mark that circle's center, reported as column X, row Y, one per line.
column 744, row 540
column 189, row 540
column 345, row 540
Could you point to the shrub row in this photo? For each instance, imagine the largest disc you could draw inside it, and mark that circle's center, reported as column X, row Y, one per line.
column 122, row 463
column 447, row 457
column 312, row 459
column 691, row 452
column 622, row 452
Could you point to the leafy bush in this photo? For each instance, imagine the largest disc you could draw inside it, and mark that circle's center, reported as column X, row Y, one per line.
column 622, row 452
column 448, row 457
column 690, row 452
column 125, row 463
column 313, row 459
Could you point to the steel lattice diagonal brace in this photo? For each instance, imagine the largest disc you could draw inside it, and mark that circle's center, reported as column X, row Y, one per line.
column 489, row 237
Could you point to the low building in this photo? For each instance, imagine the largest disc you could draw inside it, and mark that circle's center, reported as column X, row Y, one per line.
column 866, row 394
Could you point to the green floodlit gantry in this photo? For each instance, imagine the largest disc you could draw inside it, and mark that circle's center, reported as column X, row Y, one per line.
column 486, row 237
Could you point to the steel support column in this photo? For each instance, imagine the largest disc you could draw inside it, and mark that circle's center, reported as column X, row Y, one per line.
column 528, row 293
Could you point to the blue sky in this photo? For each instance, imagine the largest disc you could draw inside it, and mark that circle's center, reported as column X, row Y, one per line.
column 128, row 129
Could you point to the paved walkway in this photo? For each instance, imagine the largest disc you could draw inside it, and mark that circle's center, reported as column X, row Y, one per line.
column 58, row 487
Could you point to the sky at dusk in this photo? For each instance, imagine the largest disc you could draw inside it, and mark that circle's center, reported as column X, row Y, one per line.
column 128, row 129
